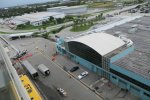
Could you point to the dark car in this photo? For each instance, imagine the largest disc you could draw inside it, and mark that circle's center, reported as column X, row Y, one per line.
column 133, row 11
column 146, row 11
column 56, row 36
column 74, row 69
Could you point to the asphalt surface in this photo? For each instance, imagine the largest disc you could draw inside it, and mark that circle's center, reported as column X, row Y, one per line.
column 4, row 28
column 58, row 78
column 42, row 51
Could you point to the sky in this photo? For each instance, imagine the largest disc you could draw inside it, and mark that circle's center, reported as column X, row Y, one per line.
column 10, row 3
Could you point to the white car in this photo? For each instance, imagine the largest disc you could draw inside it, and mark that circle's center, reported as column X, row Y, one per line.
column 82, row 75
column 62, row 91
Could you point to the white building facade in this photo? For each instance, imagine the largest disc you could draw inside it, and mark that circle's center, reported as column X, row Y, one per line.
column 36, row 19
column 69, row 10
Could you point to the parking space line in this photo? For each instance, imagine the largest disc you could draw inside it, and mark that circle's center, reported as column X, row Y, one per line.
column 71, row 76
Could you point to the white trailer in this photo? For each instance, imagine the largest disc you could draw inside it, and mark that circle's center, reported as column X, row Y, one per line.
column 31, row 70
column 43, row 69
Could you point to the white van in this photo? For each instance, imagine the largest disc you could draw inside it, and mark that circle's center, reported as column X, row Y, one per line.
column 43, row 69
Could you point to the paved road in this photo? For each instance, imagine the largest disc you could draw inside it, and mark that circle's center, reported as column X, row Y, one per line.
column 58, row 78
column 67, row 33
column 34, row 30
column 61, row 79
column 68, row 63
column 68, row 23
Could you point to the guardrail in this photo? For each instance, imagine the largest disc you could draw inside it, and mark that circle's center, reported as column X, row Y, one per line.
column 20, row 90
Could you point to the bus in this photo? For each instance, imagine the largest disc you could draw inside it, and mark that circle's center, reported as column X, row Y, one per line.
column 30, row 88
column 30, row 69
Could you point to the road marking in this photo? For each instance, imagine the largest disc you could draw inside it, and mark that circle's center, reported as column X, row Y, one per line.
column 58, row 65
column 41, row 92
column 73, row 77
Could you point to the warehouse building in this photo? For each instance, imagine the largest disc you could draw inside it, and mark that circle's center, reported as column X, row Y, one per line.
column 69, row 10
column 56, row 9
column 36, row 19
column 17, row 21
column 113, row 55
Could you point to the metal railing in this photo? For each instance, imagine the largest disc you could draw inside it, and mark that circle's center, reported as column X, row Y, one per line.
column 18, row 88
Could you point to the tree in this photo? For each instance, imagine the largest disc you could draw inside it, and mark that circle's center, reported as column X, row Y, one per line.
column 59, row 20
column 101, row 14
column 39, row 30
column 91, row 23
column 44, row 22
column 68, row 18
column 28, row 23
column 36, row 34
column 20, row 26
column 75, row 23
column 51, row 18
column 140, row 1
column 46, row 35
column 44, row 28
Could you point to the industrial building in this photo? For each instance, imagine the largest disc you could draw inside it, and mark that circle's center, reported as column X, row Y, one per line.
column 56, row 9
column 69, row 10
column 120, row 54
column 36, row 19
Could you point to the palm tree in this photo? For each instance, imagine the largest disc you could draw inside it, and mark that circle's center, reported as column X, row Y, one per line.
column 39, row 30
column 46, row 35
column 51, row 18
column 44, row 28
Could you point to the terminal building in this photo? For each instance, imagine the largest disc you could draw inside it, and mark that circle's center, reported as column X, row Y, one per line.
column 124, row 60
column 36, row 19
column 69, row 10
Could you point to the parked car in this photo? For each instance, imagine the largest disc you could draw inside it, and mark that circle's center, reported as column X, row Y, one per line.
column 116, row 13
column 133, row 11
column 62, row 91
column 56, row 36
column 82, row 75
column 146, row 11
column 108, row 15
column 74, row 69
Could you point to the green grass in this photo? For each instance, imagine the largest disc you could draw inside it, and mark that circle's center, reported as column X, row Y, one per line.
column 108, row 10
column 27, row 27
column 3, row 32
column 80, row 28
column 101, row 4
column 82, row 16
column 30, row 27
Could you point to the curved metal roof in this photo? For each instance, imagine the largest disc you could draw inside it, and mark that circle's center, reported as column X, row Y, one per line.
column 101, row 42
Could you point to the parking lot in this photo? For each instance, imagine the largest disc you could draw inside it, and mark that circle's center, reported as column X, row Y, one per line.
column 58, row 77
column 94, row 81
column 93, row 86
